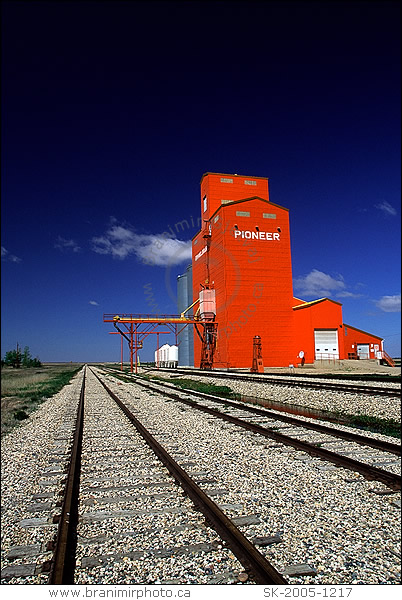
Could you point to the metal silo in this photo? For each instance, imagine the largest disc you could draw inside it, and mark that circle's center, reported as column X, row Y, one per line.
column 190, row 328
column 185, row 299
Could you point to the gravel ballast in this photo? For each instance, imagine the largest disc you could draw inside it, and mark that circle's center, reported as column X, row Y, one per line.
column 326, row 522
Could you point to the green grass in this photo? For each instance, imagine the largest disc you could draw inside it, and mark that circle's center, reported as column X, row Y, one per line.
column 46, row 389
column 24, row 390
column 375, row 424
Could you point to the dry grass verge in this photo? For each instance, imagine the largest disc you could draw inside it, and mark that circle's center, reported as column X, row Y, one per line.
column 24, row 389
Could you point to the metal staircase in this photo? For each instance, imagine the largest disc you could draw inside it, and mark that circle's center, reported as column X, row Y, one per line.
column 387, row 359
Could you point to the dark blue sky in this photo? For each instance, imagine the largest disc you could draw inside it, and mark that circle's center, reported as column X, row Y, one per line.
column 111, row 113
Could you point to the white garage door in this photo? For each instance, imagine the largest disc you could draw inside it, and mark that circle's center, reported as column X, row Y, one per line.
column 363, row 351
column 326, row 344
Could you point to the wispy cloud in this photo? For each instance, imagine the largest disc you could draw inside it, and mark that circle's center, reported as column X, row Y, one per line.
column 121, row 241
column 93, row 302
column 66, row 245
column 346, row 294
column 319, row 284
column 389, row 303
column 5, row 255
column 386, row 208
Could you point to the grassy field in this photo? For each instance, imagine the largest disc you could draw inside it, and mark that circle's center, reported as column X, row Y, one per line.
column 24, row 389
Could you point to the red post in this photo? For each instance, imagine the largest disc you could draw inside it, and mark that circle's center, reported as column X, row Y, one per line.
column 136, row 350
column 121, row 337
column 258, row 365
column 131, row 348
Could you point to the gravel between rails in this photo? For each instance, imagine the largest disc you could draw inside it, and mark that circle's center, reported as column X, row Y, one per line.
column 344, row 403
column 361, row 452
column 329, row 519
column 136, row 526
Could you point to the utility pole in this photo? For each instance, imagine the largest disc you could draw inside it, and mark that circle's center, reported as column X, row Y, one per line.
column 18, row 358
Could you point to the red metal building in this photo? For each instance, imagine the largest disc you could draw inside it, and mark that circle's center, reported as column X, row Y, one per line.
column 243, row 253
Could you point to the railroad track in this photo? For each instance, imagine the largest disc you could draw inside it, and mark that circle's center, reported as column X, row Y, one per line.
column 135, row 526
column 243, row 416
column 350, row 388
column 256, row 568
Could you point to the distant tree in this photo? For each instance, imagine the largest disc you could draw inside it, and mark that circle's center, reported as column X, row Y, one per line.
column 14, row 358
column 26, row 357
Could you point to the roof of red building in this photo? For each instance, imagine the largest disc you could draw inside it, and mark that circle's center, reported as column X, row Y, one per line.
column 231, row 202
column 231, row 175
column 307, row 304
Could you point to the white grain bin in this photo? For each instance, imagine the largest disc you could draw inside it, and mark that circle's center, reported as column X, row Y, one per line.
column 173, row 358
column 164, row 355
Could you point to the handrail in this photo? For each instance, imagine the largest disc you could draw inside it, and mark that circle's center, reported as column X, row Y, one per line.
column 388, row 359
column 327, row 357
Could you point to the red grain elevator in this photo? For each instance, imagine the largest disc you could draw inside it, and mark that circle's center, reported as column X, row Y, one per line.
column 243, row 253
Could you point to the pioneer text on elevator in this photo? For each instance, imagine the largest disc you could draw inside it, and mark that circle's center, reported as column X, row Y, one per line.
column 257, row 235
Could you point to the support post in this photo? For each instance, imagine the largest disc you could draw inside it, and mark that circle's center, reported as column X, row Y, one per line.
column 131, row 348
column 121, row 368
column 136, row 350
column 258, row 365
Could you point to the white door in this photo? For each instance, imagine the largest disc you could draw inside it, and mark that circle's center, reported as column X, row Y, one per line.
column 326, row 344
column 363, row 351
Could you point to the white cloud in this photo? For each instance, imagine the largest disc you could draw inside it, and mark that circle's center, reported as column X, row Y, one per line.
column 319, row 284
column 389, row 303
column 93, row 302
column 5, row 255
column 346, row 294
column 154, row 249
column 386, row 208
column 63, row 244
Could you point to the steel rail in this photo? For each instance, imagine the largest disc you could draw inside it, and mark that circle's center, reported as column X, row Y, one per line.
column 346, row 435
column 295, row 374
column 391, row 480
column 63, row 562
column 252, row 560
column 334, row 387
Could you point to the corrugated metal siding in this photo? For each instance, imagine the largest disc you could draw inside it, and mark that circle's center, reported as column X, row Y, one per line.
column 321, row 315
column 216, row 190
column 354, row 337
column 253, row 282
column 184, row 299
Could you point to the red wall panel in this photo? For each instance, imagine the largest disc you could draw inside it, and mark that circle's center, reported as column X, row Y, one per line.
column 325, row 314
column 353, row 336
column 249, row 265
column 218, row 187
